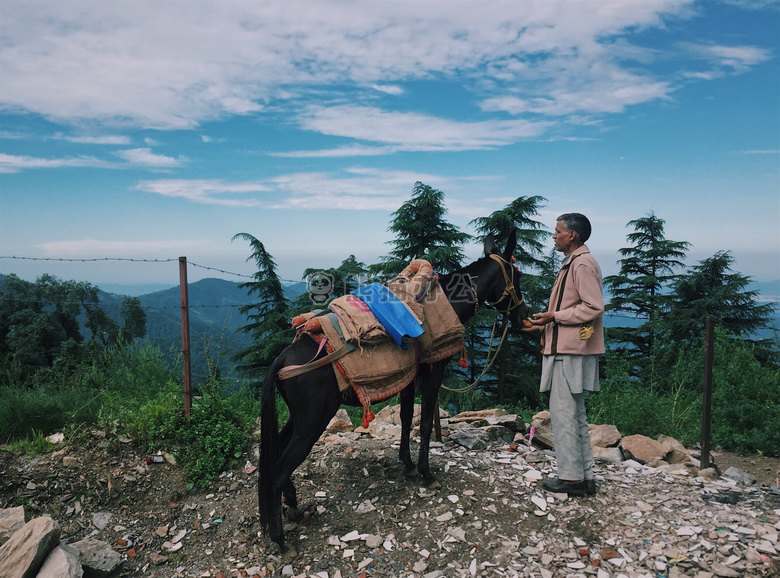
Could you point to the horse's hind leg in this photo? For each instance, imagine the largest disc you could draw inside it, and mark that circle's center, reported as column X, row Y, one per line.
column 288, row 488
column 407, row 414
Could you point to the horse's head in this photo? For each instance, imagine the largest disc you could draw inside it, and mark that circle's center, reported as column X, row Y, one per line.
column 499, row 281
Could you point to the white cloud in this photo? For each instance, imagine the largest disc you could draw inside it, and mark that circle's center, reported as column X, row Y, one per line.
column 725, row 59
column 18, row 163
column 97, row 140
column 391, row 89
column 86, row 62
column 209, row 192
column 146, row 158
column 414, row 131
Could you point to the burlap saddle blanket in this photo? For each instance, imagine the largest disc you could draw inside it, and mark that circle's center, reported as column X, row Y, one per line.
column 378, row 360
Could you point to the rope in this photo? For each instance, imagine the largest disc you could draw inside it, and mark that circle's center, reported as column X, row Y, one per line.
column 488, row 362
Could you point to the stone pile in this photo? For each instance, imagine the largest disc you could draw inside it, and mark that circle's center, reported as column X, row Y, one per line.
column 33, row 549
column 655, row 515
column 661, row 516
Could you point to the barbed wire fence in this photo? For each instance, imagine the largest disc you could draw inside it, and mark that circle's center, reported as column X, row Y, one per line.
column 189, row 263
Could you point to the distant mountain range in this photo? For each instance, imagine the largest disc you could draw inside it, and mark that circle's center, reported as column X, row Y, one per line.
column 215, row 320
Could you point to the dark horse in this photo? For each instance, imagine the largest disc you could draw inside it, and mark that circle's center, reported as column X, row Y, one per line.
column 314, row 397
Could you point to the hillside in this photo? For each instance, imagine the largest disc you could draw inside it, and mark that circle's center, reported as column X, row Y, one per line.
column 215, row 321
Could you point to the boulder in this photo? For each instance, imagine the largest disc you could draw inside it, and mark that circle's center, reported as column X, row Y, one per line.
column 739, row 476
column 340, row 423
column 471, row 438
column 604, row 436
column 11, row 520
column 541, row 418
column 678, row 454
column 25, row 552
column 63, row 562
column 611, row 455
column 510, row 421
column 98, row 559
column 643, row 449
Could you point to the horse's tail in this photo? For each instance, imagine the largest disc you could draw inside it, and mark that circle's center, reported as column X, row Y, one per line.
column 269, row 446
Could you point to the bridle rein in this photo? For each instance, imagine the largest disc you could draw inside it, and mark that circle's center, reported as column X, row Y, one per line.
column 514, row 302
column 509, row 288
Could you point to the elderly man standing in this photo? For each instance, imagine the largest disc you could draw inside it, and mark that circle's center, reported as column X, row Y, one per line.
column 573, row 337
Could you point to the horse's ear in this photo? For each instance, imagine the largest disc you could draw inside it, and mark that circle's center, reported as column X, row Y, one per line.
column 490, row 245
column 511, row 245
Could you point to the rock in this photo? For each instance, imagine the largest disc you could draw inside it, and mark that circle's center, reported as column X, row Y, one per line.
column 11, row 520
column 158, row 559
column 63, row 562
column 101, row 519
column 708, row 474
column 340, row 423
column 543, row 436
column 643, row 449
column 70, row 462
column 740, row 476
column 472, row 438
column 97, row 557
column 541, row 418
column 511, row 421
column 25, row 552
column 610, row 455
column 604, row 436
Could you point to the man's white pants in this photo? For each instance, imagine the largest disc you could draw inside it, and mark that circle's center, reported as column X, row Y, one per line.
column 570, row 429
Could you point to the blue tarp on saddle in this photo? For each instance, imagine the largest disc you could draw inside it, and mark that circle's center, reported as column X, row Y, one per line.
column 391, row 312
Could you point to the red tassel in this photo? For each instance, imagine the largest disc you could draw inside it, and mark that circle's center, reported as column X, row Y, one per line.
column 463, row 361
column 368, row 417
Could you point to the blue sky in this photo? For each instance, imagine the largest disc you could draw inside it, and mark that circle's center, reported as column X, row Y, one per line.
column 153, row 130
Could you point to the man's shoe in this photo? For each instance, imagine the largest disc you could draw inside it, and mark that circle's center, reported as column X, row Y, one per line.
column 591, row 487
column 558, row 486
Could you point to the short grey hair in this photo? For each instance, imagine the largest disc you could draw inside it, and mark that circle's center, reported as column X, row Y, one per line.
column 578, row 223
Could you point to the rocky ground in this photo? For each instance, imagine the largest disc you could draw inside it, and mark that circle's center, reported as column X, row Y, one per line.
column 361, row 517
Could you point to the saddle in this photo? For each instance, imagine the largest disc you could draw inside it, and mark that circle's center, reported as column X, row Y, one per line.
column 380, row 358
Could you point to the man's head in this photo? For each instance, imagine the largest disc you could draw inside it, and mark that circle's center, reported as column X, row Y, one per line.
column 571, row 231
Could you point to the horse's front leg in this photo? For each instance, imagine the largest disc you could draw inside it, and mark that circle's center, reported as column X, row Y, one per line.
column 407, row 414
column 431, row 382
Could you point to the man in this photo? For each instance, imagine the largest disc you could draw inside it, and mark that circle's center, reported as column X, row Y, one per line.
column 573, row 337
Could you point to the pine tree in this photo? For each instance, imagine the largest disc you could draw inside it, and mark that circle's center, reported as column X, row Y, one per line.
column 422, row 233
column 646, row 270
column 711, row 289
column 518, row 358
column 269, row 320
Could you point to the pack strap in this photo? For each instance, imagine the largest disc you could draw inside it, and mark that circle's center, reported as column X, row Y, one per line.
column 290, row 371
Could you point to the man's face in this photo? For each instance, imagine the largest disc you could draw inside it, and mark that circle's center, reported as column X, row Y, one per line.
column 563, row 238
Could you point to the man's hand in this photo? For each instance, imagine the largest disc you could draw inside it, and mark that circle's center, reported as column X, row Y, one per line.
column 538, row 321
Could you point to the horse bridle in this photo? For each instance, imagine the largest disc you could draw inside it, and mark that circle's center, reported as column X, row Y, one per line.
column 509, row 288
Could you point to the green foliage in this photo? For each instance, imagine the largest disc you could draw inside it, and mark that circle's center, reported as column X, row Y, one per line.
column 422, row 233
column 269, row 322
column 41, row 326
column 34, row 445
column 745, row 401
column 214, row 438
column 646, row 270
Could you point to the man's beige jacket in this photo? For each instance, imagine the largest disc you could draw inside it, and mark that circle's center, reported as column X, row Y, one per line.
column 579, row 325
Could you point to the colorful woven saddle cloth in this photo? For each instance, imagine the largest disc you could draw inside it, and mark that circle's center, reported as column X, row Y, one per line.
column 378, row 323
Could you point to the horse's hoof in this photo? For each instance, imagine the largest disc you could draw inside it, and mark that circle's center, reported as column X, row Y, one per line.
column 434, row 485
column 411, row 473
column 294, row 514
column 289, row 552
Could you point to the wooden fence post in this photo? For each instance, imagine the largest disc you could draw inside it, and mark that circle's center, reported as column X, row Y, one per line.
column 706, row 402
column 185, row 335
